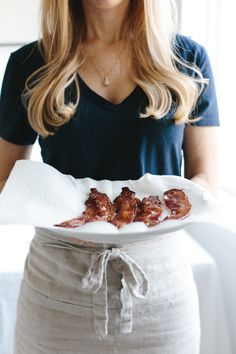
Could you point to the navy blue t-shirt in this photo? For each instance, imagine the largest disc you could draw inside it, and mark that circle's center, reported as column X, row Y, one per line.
column 105, row 140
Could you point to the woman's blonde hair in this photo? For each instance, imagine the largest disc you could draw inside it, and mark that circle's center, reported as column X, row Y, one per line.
column 151, row 33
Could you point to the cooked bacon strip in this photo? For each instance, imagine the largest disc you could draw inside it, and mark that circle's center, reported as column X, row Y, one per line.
column 75, row 222
column 126, row 206
column 177, row 201
column 104, row 210
column 98, row 208
column 150, row 211
column 91, row 209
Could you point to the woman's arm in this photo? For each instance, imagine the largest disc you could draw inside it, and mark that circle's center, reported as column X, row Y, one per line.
column 9, row 154
column 201, row 156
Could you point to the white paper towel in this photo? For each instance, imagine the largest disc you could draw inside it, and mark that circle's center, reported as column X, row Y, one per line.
column 38, row 194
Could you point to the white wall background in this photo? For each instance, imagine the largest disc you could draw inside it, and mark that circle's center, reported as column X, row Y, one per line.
column 19, row 24
column 18, row 21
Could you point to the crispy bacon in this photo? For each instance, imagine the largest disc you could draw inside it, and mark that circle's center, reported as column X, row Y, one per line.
column 98, row 208
column 126, row 206
column 150, row 211
column 75, row 222
column 177, row 201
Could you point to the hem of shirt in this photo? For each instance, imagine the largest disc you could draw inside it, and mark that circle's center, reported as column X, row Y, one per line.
column 205, row 124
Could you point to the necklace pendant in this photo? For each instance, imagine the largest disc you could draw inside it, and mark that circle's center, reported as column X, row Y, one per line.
column 106, row 81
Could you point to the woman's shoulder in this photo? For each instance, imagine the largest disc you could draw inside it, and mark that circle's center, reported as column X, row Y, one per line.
column 23, row 62
column 189, row 50
column 28, row 56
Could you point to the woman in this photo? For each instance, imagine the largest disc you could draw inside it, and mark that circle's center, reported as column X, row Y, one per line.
column 112, row 93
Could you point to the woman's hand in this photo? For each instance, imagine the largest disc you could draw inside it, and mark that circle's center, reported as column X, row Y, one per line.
column 201, row 156
column 202, row 180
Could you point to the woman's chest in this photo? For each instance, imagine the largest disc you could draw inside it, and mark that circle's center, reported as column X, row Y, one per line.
column 99, row 127
column 109, row 76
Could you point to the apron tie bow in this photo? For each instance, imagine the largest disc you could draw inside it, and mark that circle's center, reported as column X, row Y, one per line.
column 134, row 284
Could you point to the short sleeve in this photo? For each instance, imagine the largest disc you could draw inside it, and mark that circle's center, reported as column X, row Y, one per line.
column 206, row 108
column 14, row 125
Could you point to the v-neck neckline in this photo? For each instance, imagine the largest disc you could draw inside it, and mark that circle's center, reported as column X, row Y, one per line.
column 105, row 100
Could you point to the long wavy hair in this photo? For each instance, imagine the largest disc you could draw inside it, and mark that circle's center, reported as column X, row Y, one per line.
column 151, row 32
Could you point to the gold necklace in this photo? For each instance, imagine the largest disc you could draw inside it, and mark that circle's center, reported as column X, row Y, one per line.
column 106, row 75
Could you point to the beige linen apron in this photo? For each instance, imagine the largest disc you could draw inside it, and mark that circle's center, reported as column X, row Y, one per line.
column 132, row 298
